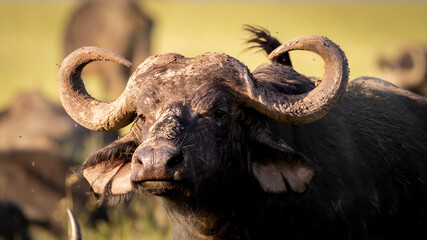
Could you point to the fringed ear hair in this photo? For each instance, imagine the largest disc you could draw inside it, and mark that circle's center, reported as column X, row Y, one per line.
column 262, row 39
column 108, row 170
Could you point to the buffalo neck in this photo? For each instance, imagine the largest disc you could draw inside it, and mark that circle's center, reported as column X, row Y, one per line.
column 208, row 218
column 223, row 213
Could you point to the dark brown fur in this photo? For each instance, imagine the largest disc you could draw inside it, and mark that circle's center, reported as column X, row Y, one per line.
column 198, row 145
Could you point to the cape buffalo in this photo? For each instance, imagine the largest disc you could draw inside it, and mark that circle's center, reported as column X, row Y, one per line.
column 119, row 25
column 265, row 154
column 407, row 68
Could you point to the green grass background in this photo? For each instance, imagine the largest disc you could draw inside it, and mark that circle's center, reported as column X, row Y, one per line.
column 31, row 40
column 31, row 33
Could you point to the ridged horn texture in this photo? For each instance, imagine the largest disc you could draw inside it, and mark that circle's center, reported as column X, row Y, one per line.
column 83, row 108
column 311, row 106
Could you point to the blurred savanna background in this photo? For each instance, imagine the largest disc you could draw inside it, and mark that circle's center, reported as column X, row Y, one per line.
column 31, row 50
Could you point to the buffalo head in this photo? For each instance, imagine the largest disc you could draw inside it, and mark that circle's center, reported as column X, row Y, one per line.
column 202, row 122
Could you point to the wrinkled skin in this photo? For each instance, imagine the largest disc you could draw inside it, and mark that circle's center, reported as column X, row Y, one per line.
column 226, row 171
column 119, row 25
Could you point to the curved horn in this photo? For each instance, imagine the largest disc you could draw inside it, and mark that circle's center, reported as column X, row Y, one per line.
column 84, row 109
column 307, row 107
column 75, row 227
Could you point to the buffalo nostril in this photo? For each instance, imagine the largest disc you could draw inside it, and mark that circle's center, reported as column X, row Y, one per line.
column 175, row 161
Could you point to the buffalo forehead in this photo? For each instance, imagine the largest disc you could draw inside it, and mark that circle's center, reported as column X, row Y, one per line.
column 176, row 70
column 176, row 78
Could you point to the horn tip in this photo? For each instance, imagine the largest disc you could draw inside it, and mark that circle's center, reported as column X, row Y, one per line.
column 75, row 227
column 276, row 52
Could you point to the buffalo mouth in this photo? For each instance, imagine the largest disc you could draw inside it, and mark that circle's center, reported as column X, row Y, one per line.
column 162, row 188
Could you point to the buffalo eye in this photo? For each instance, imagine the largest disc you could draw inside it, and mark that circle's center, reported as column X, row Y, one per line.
column 220, row 115
column 140, row 116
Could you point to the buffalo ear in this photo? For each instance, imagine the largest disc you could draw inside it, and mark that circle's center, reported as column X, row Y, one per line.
column 107, row 177
column 108, row 170
column 275, row 175
column 277, row 166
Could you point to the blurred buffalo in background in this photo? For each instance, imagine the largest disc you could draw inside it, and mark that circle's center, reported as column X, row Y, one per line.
column 407, row 68
column 39, row 144
column 118, row 25
column 32, row 122
column 13, row 224
column 35, row 181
